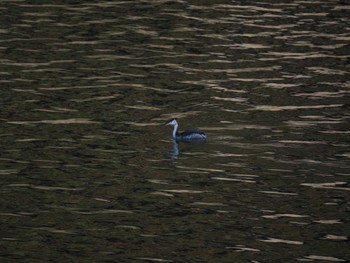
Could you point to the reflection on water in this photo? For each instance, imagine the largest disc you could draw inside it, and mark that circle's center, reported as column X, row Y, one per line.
column 85, row 168
column 175, row 151
column 174, row 154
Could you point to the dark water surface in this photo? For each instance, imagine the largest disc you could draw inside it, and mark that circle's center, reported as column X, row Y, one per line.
column 89, row 173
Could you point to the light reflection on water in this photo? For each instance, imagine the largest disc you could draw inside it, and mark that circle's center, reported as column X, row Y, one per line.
column 89, row 172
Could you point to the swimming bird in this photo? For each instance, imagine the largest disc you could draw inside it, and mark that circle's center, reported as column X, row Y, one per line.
column 186, row 136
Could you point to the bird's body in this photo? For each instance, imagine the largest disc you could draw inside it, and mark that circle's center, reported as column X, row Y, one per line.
column 186, row 136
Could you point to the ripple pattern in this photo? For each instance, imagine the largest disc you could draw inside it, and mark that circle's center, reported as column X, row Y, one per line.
column 85, row 166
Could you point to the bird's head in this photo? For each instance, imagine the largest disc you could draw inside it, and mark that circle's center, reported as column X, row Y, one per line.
column 171, row 122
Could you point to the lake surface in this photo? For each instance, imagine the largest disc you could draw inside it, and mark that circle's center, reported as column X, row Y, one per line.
column 89, row 172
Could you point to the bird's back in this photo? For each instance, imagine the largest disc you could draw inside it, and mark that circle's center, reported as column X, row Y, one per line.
column 191, row 135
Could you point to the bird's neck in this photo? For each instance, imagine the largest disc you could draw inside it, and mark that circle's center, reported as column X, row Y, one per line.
column 176, row 126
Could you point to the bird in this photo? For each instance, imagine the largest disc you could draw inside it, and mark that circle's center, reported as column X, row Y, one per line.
column 186, row 136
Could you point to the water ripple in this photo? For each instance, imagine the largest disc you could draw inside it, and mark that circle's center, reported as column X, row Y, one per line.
column 324, row 258
column 63, row 121
column 283, row 241
column 86, row 88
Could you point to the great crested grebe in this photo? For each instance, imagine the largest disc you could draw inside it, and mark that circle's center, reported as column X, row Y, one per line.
column 186, row 136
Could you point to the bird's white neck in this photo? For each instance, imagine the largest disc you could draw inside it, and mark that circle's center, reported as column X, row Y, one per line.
column 175, row 130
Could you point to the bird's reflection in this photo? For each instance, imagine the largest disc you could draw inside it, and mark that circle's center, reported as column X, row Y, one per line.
column 174, row 153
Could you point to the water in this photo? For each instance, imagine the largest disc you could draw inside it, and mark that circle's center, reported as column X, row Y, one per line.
column 89, row 172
